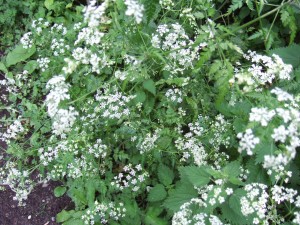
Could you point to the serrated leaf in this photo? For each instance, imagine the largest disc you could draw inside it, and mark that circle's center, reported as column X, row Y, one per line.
column 157, row 193
column 232, row 169
column 198, row 176
column 19, row 54
column 149, row 85
column 182, row 194
column 289, row 55
column 165, row 175
column 59, row 191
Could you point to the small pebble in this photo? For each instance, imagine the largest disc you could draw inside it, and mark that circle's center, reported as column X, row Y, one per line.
column 29, row 217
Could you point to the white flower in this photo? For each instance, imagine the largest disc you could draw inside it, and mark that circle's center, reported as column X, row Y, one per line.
column 248, row 141
column 134, row 9
column 261, row 115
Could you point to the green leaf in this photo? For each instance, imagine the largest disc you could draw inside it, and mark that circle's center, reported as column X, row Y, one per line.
column 3, row 68
column 90, row 191
column 152, row 218
column 157, row 193
column 149, row 85
column 182, row 194
column 19, row 54
column 289, row 55
column 74, row 222
column 59, row 191
column 232, row 169
column 165, row 175
column 31, row 66
column 198, row 176
column 49, row 4
column 63, row 216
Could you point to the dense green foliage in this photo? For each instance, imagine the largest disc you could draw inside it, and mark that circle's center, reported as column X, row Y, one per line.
column 155, row 112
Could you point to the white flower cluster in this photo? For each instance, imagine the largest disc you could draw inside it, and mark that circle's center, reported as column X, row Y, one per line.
column 148, row 142
column 59, row 29
column 106, row 212
column 174, row 40
column 12, row 131
column 187, row 216
column 59, row 46
column 50, row 153
column 286, row 133
column 99, row 150
column 166, row 4
column 174, row 95
column 219, row 129
column 190, row 146
column 80, row 167
column 135, row 9
column 113, row 106
column 26, row 40
column 71, row 66
column 63, row 119
column 121, row 75
column 255, row 201
column 39, row 25
column 248, row 141
column 281, row 194
column 18, row 181
column 264, row 70
column 261, row 115
column 93, row 14
column 90, row 36
column 43, row 63
column 131, row 177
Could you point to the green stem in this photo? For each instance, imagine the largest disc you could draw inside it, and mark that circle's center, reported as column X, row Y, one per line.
column 259, row 18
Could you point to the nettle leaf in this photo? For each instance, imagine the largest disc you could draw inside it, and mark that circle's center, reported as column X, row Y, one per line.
column 157, row 193
column 165, row 175
column 149, row 85
column 265, row 147
column 232, row 169
column 19, row 54
column 182, row 194
column 59, row 191
column 198, row 176
column 289, row 55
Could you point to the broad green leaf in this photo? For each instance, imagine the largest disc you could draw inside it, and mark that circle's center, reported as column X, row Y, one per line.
column 3, row 68
column 232, row 169
column 182, row 194
column 74, row 222
column 165, row 175
column 63, row 216
column 59, row 191
column 49, row 4
column 289, row 55
column 198, row 176
column 19, row 54
column 149, row 85
column 31, row 66
column 157, row 193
